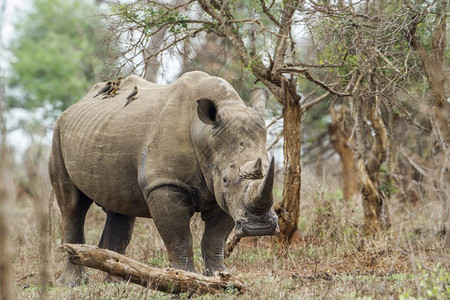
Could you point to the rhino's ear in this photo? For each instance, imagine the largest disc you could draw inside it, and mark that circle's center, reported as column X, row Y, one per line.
column 207, row 111
column 258, row 99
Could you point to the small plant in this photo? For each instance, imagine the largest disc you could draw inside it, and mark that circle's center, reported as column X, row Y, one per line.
column 159, row 259
column 436, row 283
column 231, row 289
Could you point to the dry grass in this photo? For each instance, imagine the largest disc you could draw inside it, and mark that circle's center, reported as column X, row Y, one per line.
column 330, row 258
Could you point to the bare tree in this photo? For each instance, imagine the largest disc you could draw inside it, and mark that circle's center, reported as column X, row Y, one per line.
column 433, row 63
column 340, row 139
column 262, row 38
column 371, row 36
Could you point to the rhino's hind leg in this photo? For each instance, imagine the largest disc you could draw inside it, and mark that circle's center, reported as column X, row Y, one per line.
column 216, row 232
column 171, row 209
column 117, row 232
column 116, row 236
column 74, row 206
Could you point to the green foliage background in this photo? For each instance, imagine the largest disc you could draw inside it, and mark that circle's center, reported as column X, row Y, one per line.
column 59, row 50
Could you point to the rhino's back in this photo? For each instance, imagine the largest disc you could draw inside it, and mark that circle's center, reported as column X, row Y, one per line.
column 102, row 142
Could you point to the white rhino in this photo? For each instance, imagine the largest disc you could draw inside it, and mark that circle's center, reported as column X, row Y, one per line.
column 190, row 146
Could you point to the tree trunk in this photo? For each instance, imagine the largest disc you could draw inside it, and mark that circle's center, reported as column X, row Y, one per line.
column 289, row 210
column 370, row 198
column 6, row 183
column 340, row 141
column 166, row 280
column 6, row 281
column 433, row 63
column 152, row 63
column 369, row 166
column 371, row 201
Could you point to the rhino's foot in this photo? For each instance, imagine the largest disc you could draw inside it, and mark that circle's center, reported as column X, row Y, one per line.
column 72, row 279
column 222, row 272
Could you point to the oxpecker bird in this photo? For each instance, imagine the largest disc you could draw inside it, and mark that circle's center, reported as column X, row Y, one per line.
column 132, row 95
column 112, row 91
column 119, row 81
column 104, row 89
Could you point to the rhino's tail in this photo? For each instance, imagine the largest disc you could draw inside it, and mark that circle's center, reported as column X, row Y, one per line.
column 56, row 160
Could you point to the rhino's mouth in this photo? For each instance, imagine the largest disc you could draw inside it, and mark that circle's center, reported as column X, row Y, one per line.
column 257, row 224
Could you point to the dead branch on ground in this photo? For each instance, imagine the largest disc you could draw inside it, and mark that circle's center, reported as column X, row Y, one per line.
column 167, row 280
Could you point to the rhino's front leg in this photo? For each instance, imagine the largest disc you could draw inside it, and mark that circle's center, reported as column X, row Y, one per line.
column 217, row 229
column 171, row 209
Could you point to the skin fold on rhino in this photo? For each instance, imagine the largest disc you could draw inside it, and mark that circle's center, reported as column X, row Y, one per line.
column 190, row 146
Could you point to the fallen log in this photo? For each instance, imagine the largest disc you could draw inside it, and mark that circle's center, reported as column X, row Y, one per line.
column 167, row 280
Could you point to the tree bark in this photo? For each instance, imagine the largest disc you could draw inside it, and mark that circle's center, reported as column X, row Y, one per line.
column 166, row 280
column 339, row 139
column 152, row 63
column 370, row 198
column 368, row 167
column 288, row 212
column 6, row 281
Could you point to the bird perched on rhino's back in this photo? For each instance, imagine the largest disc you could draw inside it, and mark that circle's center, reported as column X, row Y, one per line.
column 112, row 91
column 132, row 95
column 104, row 89
column 119, row 81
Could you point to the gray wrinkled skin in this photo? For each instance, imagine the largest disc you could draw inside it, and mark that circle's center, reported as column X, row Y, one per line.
column 176, row 150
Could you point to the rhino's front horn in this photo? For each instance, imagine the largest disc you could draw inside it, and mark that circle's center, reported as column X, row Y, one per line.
column 264, row 197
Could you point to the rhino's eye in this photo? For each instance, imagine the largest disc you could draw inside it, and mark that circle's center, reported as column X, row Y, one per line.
column 241, row 146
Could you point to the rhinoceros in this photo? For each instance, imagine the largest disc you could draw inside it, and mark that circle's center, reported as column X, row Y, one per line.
column 189, row 146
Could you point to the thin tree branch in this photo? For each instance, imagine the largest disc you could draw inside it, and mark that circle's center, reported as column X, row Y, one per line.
column 310, row 104
column 280, row 135
column 274, row 121
column 266, row 10
column 281, row 43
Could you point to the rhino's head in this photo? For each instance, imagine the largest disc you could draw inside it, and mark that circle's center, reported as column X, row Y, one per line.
column 235, row 164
